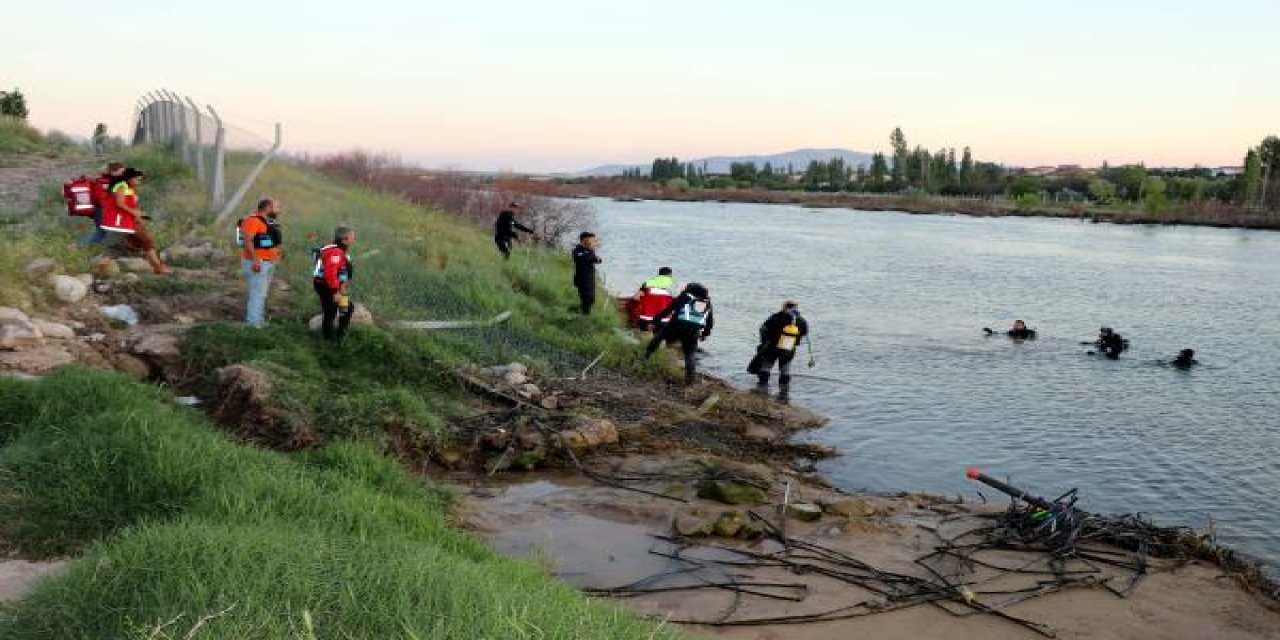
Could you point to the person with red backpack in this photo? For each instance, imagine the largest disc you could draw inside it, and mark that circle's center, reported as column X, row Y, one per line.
column 99, row 191
column 330, row 278
column 122, row 214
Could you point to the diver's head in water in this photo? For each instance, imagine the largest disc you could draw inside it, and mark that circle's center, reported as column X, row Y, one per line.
column 1105, row 331
column 1186, row 358
column 1019, row 325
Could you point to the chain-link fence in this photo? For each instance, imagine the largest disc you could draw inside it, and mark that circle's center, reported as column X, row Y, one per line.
column 221, row 154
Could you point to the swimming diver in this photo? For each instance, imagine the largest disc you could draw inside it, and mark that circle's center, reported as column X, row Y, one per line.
column 1110, row 343
column 1018, row 332
column 1186, row 359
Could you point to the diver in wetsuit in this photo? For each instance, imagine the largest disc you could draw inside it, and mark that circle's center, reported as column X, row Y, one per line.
column 1186, row 359
column 1018, row 332
column 1110, row 343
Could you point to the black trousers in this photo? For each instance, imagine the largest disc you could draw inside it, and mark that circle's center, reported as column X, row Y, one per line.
column 782, row 358
column 504, row 245
column 586, row 296
column 332, row 312
column 687, row 335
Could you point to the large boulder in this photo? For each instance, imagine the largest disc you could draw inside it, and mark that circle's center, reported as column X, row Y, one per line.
column 361, row 317
column 730, row 492
column 36, row 361
column 585, row 433
column 68, row 289
column 161, row 347
column 17, row 331
column 54, row 330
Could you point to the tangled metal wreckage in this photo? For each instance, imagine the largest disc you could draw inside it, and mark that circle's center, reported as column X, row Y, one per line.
column 978, row 564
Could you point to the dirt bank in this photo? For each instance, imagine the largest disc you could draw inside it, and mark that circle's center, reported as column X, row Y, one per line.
column 603, row 538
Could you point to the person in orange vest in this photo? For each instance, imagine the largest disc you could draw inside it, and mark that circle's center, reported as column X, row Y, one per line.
column 260, row 240
column 330, row 278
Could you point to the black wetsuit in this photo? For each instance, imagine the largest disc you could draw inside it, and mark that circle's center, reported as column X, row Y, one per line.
column 1111, row 345
column 584, row 276
column 1184, row 361
column 1021, row 334
column 770, row 335
column 504, row 231
column 684, row 327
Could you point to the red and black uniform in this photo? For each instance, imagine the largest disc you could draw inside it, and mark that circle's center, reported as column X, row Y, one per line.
column 332, row 271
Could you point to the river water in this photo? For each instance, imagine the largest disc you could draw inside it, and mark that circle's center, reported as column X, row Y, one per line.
column 916, row 393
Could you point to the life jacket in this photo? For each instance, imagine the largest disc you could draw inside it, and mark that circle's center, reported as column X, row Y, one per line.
column 654, row 296
column 272, row 239
column 344, row 274
column 80, row 196
column 790, row 336
column 116, row 219
column 695, row 312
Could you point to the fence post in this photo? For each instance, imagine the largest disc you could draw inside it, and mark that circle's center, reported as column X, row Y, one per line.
column 199, row 146
column 217, row 179
column 253, row 175
column 180, row 126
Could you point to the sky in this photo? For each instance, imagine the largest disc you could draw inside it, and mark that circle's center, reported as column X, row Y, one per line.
column 565, row 85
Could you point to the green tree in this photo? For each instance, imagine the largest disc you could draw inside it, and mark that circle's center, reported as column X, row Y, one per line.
column 13, row 104
column 1252, row 179
column 1269, row 155
column 1153, row 190
column 898, row 141
column 1026, row 186
column 879, row 172
column 966, row 168
column 1102, row 191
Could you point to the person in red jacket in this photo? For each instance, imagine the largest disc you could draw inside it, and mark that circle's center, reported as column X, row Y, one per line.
column 330, row 278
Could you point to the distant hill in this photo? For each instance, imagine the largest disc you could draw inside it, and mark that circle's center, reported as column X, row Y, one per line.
column 798, row 159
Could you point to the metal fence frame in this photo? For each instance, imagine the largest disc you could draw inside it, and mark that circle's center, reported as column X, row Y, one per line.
column 162, row 117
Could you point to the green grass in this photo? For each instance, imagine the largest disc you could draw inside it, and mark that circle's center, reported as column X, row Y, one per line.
column 173, row 522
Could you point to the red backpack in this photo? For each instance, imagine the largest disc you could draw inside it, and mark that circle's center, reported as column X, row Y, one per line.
column 81, row 195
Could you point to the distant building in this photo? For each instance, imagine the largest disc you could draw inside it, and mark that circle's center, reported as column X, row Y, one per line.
column 1228, row 171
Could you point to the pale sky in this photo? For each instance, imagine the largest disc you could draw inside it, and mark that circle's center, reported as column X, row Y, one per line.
column 563, row 85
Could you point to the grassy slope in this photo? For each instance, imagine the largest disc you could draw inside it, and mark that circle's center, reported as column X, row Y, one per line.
column 171, row 521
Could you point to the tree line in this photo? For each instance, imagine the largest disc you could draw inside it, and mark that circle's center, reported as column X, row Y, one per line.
column 918, row 170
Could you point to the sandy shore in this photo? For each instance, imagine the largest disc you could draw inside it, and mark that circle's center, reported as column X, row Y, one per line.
column 600, row 538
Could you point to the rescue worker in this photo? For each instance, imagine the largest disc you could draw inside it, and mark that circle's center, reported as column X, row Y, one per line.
column 584, row 270
column 780, row 336
column 330, row 278
column 102, row 191
column 1018, row 332
column 504, row 230
column 655, row 294
column 1110, row 343
column 1186, row 359
column 124, row 201
column 260, row 242
column 690, row 321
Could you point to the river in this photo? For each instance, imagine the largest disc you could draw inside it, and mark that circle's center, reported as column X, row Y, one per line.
column 916, row 393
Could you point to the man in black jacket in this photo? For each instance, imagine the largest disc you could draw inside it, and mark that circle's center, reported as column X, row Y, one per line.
column 584, row 270
column 504, row 231
column 780, row 336
column 691, row 321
